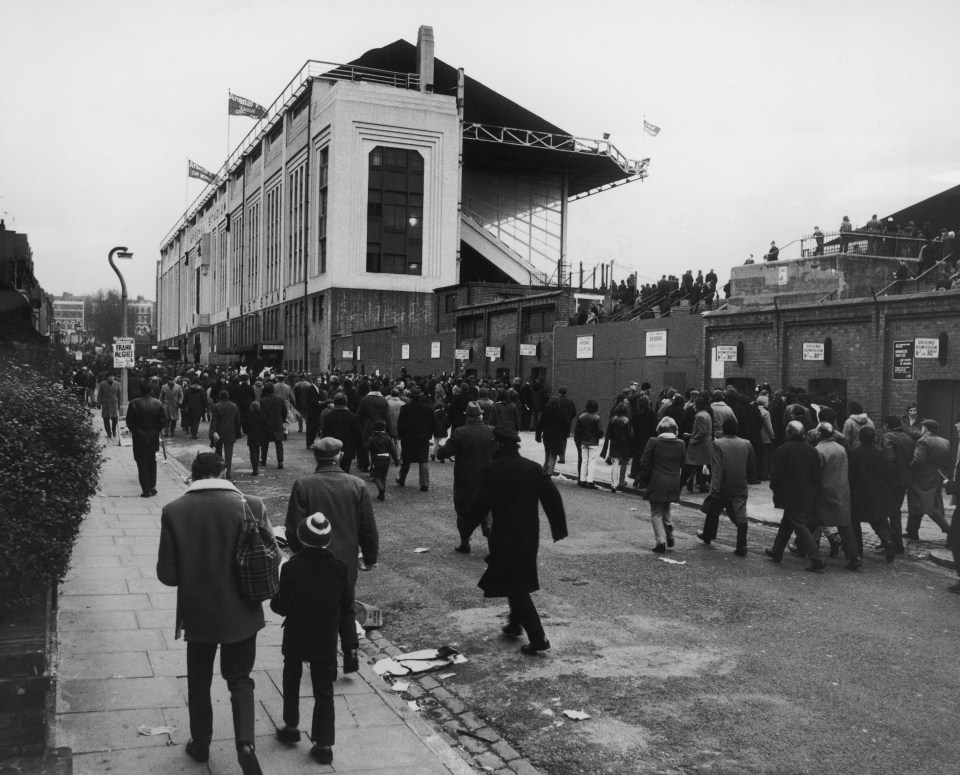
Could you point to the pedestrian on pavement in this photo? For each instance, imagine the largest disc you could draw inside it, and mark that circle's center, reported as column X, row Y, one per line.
column 569, row 409
column 274, row 409
column 587, row 433
column 505, row 413
column 225, row 429
column 510, row 489
column 382, row 449
column 110, row 405
column 171, row 396
column 197, row 555
column 317, row 600
column 734, row 458
column 471, row 447
column 257, row 429
column 145, row 421
column 313, row 397
column 795, row 480
column 372, row 407
column 553, row 430
column 660, row 467
column 620, row 438
column 194, row 404
column 441, row 426
column 341, row 423
column 897, row 446
column 415, row 427
column 856, row 420
column 700, row 446
column 344, row 499
column 931, row 461
column 869, row 492
column 833, row 498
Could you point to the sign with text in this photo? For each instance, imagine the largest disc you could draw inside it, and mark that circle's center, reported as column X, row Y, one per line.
column 348, row 355
column 493, row 352
column 434, row 349
column 903, row 360
column 405, row 352
column 528, row 349
column 462, row 354
column 926, row 347
column 813, row 351
column 584, row 346
column 783, row 276
column 726, row 352
column 656, row 343
column 123, row 353
column 716, row 364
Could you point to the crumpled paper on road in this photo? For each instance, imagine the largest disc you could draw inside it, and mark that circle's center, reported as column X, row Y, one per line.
column 419, row 661
column 576, row 715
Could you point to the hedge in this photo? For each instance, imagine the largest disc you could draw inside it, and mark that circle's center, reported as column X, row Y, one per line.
column 50, row 461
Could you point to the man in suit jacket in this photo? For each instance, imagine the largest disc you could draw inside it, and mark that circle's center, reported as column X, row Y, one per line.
column 225, row 429
column 734, row 458
column 198, row 539
column 146, row 419
column 415, row 427
column 344, row 500
column 930, row 465
column 275, row 410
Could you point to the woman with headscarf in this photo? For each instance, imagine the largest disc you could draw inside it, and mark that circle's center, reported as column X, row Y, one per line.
column 660, row 474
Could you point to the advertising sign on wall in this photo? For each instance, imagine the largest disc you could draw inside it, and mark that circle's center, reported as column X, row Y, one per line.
column 903, row 360
column 434, row 349
column 528, row 349
column 462, row 354
column 584, row 347
column 404, row 352
column 656, row 343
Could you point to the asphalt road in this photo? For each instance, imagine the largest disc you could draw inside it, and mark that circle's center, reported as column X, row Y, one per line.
column 718, row 665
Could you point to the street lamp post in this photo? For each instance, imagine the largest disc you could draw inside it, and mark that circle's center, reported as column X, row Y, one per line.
column 122, row 253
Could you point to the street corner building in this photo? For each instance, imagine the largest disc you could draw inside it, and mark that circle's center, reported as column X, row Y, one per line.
column 365, row 190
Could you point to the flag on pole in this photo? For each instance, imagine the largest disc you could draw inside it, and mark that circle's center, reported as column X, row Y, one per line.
column 194, row 170
column 650, row 129
column 240, row 106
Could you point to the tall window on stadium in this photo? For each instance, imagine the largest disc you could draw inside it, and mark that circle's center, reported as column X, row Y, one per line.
column 323, row 167
column 253, row 251
column 272, row 242
column 236, row 259
column 395, row 211
column 297, row 195
column 220, row 267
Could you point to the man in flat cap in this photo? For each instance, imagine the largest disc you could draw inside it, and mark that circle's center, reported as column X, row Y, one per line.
column 511, row 486
column 930, row 464
column 470, row 446
column 344, row 499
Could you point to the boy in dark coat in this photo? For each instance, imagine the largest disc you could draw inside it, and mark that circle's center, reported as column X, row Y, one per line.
column 317, row 601
column 381, row 450
column 257, row 427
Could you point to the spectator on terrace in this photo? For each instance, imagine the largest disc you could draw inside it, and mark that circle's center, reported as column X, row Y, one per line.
column 749, row 260
column 773, row 254
column 873, row 226
column 818, row 236
column 845, row 229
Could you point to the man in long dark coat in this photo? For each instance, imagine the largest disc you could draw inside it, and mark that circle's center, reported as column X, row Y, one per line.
column 931, row 462
column 341, row 423
column 897, row 446
column 511, row 486
column 471, row 447
column 372, row 407
column 795, row 481
column 146, row 419
column 415, row 427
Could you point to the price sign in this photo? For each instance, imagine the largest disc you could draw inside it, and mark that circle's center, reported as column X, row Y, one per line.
column 405, row 352
column 528, row 349
column 726, row 352
column 434, row 349
column 813, row 351
column 462, row 354
column 926, row 348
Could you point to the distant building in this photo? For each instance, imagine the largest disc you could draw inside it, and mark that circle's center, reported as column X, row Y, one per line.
column 68, row 312
column 26, row 312
column 366, row 187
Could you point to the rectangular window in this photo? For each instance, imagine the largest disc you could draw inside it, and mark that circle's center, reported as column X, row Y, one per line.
column 272, row 243
column 471, row 327
column 323, row 167
column 297, row 224
column 236, row 260
column 450, row 303
column 538, row 320
column 395, row 211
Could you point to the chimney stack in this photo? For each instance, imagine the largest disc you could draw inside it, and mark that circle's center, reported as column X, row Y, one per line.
column 425, row 58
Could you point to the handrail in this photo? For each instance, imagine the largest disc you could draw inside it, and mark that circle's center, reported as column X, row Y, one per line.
column 917, row 279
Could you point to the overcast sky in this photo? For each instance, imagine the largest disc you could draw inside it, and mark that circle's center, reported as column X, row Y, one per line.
column 775, row 117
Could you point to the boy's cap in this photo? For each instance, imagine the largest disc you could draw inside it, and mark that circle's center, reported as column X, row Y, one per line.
column 314, row 532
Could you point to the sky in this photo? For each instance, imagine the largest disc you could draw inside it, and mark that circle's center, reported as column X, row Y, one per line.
column 776, row 117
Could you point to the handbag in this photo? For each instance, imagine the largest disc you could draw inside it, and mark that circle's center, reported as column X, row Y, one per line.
column 258, row 559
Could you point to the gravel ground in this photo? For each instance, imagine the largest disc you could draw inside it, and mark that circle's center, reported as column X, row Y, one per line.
column 718, row 665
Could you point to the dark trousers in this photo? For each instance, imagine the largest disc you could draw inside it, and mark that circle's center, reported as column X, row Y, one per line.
column 265, row 447
column 346, row 460
column 936, row 514
column 194, row 423
column 880, row 526
column 795, row 521
column 147, row 471
column 711, row 523
column 363, row 459
column 225, row 450
column 313, row 428
column 467, row 525
column 420, row 458
column 322, row 676
column 110, row 426
column 894, row 504
column 258, row 452
column 524, row 613
column 380, row 468
column 236, row 662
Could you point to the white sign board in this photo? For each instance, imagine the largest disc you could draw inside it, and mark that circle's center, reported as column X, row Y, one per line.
column 434, row 349
column 528, row 349
column 716, row 365
column 584, row 346
column 405, row 352
column 656, row 343
column 926, row 348
column 493, row 353
column 783, row 276
column 813, row 351
column 462, row 354
column 78, row 355
column 348, row 355
column 726, row 352
column 123, row 353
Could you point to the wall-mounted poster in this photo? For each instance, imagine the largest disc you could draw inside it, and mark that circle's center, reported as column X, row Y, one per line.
column 656, row 343
column 584, row 347
column 903, row 360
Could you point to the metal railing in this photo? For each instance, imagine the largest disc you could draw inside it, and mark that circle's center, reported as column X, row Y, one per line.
column 312, row 70
column 933, row 275
column 862, row 242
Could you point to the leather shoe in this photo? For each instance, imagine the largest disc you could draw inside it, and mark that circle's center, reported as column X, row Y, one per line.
column 854, row 563
column 199, row 752
column 740, row 551
column 531, row 649
column 248, row 760
column 322, row 754
column 771, row 555
column 288, row 735
column 512, row 629
column 816, row 565
column 703, row 538
column 424, row 488
column 462, row 548
column 400, row 482
column 660, row 549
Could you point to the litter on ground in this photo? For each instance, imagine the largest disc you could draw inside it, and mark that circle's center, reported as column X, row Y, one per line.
column 419, row 661
column 673, row 562
column 421, row 549
column 576, row 715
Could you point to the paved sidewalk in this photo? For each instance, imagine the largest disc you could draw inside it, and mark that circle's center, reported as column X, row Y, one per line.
column 121, row 668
